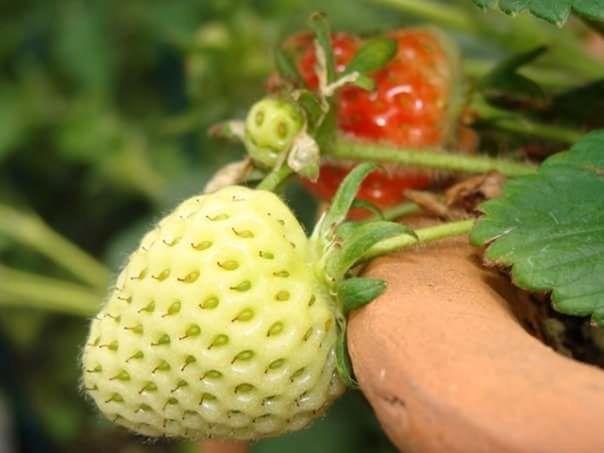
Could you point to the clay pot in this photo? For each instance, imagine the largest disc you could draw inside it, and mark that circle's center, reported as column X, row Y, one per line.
column 448, row 368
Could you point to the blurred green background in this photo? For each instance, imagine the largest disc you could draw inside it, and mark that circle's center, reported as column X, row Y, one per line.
column 104, row 107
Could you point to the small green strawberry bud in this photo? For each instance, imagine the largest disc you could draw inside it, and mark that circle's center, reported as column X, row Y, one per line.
column 271, row 127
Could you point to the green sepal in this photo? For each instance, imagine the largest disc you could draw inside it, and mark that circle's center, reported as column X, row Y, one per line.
column 325, row 132
column 343, row 199
column 373, row 55
column 504, row 77
column 368, row 206
column 286, row 66
column 320, row 26
column 343, row 363
column 354, row 247
column 345, row 229
column 312, row 107
column 357, row 292
column 364, row 82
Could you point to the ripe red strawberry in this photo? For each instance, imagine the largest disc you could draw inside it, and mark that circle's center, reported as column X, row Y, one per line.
column 410, row 106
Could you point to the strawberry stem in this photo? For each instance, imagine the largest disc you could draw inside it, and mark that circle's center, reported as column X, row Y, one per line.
column 19, row 288
column 31, row 231
column 423, row 235
column 347, row 149
column 275, row 178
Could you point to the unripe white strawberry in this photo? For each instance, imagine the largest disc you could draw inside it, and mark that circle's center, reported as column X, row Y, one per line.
column 217, row 326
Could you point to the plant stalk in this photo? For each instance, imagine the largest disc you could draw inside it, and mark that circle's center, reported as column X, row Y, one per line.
column 424, row 235
column 347, row 149
column 275, row 178
column 31, row 230
column 20, row 288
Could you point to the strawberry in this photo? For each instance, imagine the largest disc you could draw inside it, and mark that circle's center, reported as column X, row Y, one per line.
column 271, row 127
column 410, row 106
column 218, row 325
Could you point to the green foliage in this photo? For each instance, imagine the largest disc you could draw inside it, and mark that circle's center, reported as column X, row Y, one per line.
column 554, row 11
column 343, row 362
column 549, row 228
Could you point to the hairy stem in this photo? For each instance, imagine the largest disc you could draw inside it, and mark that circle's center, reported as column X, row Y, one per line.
column 275, row 178
column 347, row 149
column 20, row 288
column 31, row 230
column 424, row 235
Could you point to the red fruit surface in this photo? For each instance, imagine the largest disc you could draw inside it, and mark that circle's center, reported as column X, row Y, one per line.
column 409, row 107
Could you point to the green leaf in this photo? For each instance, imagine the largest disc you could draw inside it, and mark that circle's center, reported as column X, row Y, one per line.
column 320, row 26
column 286, row 66
column 504, row 77
column 549, row 228
column 357, row 292
column 355, row 246
column 373, row 55
column 591, row 9
column 554, row 11
column 485, row 4
column 343, row 199
column 343, row 363
column 513, row 6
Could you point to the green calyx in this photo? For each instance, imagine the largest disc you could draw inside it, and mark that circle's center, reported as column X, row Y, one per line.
column 271, row 128
column 340, row 246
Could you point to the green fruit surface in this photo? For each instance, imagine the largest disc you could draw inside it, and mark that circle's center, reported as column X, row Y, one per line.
column 270, row 129
column 217, row 326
